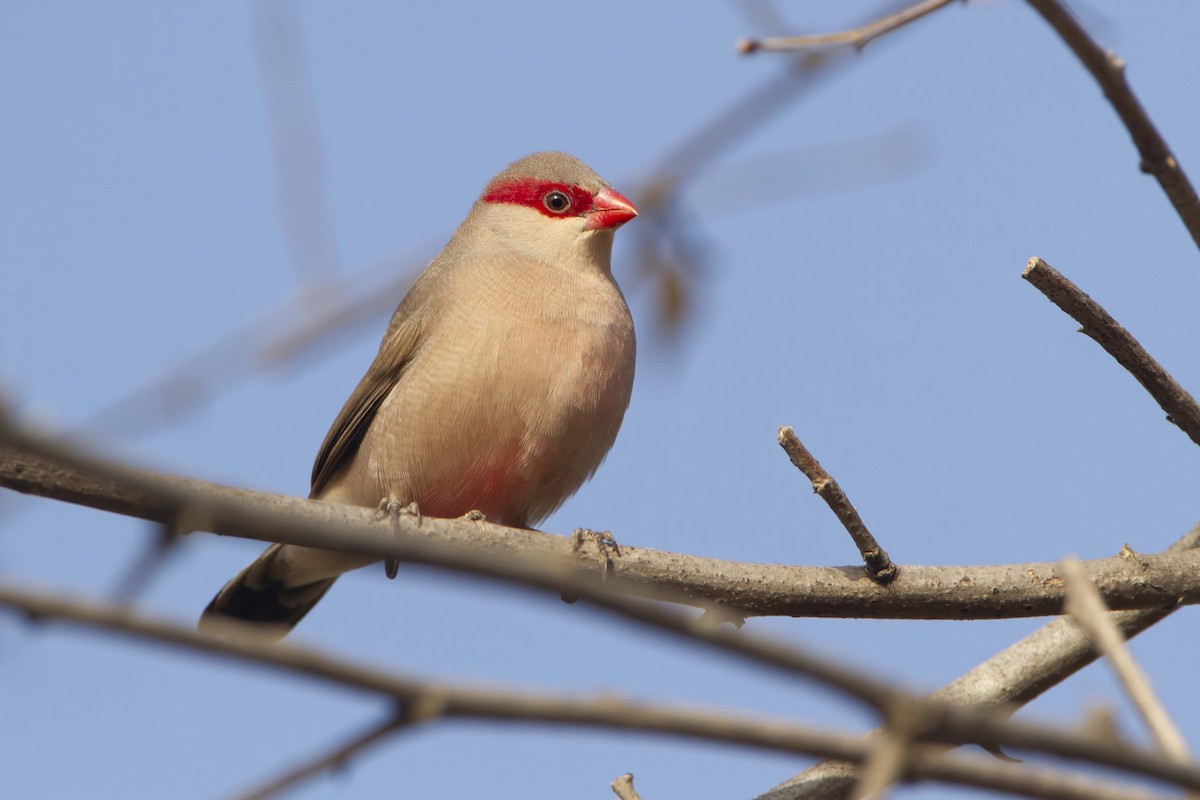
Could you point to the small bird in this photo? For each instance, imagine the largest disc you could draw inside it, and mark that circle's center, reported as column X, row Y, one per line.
column 499, row 385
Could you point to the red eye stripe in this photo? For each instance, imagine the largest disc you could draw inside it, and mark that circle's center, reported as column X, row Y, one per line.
column 531, row 192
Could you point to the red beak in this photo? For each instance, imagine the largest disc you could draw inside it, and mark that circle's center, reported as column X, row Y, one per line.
column 610, row 209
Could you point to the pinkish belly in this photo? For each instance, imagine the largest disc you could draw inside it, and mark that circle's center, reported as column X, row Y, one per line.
column 498, row 487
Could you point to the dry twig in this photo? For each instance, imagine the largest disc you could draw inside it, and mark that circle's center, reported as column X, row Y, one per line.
column 879, row 565
column 858, row 38
column 334, row 759
column 1086, row 607
column 1109, row 72
column 1097, row 323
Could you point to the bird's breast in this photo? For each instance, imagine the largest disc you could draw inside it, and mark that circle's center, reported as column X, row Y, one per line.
column 504, row 413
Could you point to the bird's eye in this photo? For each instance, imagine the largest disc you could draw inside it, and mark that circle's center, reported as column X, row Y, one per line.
column 556, row 201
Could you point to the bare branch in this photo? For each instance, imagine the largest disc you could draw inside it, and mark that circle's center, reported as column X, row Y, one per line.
column 1013, row 677
column 622, row 787
column 429, row 700
column 858, row 38
column 334, row 759
column 879, row 566
column 1097, row 323
column 1086, row 607
column 1109, row 72
column 921, row 592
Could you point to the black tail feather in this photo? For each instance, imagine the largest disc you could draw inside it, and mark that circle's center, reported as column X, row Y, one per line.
column 256, row 598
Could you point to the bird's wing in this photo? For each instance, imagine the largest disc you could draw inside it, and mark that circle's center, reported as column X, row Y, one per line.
column 403, row 339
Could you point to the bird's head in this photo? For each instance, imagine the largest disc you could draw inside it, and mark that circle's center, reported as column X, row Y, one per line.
column 554, row 207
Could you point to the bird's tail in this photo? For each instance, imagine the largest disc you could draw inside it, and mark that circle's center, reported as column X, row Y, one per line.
column 276, row 590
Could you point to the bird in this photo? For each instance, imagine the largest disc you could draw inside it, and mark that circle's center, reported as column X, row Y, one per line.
column 498, row 388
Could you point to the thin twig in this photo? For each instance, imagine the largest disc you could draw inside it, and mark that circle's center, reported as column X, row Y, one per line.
column 858, row 38
column 444, row 700
column 1109, row 72
column 1127, row 581
column 1086, row 607
column 1013, row 677
column 334, row 759
column 879, row 566
column 622, row 787
column 1097, row 323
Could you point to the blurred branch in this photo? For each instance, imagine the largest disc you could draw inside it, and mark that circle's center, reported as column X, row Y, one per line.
column 336, row 758
column 1097, row 323
column 295, row 136
column 430, row 701
column 310, row 316
column 1109, row 72
column 1012, row 677
column 153, row 556
column 1086, row 607
column 921, row 592
column 879, row 566
column 858, row 38
column 885, row 763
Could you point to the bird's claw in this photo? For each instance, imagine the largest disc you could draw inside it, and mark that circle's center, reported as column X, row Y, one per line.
column 394, row 509
column 604, row 541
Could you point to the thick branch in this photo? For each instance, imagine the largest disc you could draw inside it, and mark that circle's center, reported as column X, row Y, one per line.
column 1109, row 72
column 1097, row 323
column 990, row 592
column 1012, row 677
column 428, row 701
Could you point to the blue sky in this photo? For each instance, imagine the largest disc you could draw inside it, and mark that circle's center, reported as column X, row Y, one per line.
column 860, row 281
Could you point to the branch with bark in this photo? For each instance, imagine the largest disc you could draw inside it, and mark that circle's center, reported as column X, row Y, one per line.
column 1127, row 580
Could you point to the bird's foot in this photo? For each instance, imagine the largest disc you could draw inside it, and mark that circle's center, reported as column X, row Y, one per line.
column 475, row 515
column 394, row 509
column 604, row 541
column 605, row 544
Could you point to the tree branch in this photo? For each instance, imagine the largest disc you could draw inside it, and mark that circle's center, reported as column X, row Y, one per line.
column 879, row 566
column 1097, row 323
column 1126, row 581
column 1109, row 72
column 858, row 38
column 427, row 701
column 336, row 758
column 1085, row 606
column 1013, row 677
